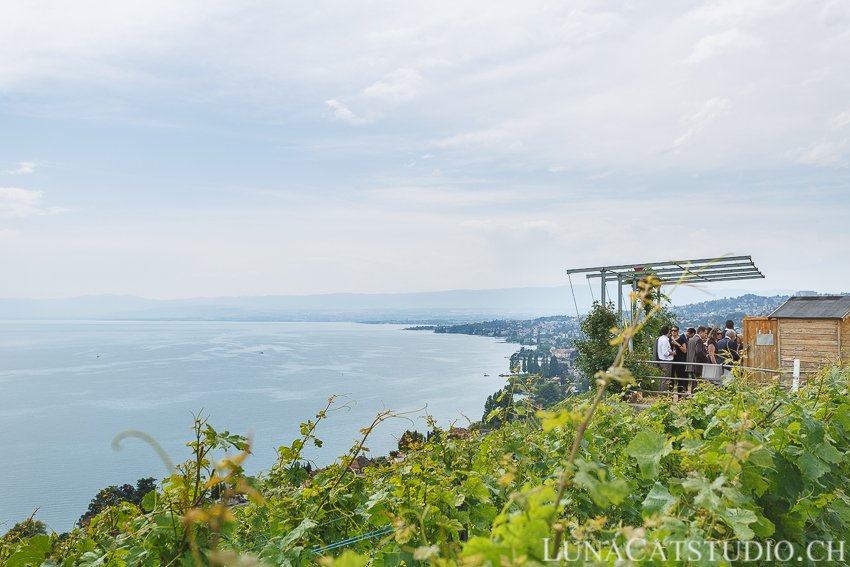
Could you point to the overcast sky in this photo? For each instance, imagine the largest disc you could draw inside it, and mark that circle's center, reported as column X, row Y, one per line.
column 205, row 148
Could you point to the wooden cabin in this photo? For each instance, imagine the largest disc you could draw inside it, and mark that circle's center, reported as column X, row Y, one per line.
column 814, row 329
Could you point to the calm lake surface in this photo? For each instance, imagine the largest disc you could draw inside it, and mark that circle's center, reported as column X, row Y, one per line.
column 68, row 388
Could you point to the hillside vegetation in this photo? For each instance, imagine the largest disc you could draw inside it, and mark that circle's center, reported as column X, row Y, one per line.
column 738, row 463
column 561, row 331
column 743, row 463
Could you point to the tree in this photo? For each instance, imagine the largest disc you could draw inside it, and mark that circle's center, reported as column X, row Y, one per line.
column 555, row 368
column 641, row 352
column 410, row 441
column 24, row 530
column 595, row 352
column 548, row 394
column 114, row 495
column 501, row 401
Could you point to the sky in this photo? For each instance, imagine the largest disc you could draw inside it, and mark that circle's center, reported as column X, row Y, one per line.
column 209, row 148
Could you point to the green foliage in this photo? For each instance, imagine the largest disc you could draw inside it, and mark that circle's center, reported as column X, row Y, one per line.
column 595, row 351
column 728, row 464
column 114, row 495
column 554, row 331
column 24, row 530
column 548, row 394
column 410, row 441
column 647, row 448
column 656, row 314
column 498, row 407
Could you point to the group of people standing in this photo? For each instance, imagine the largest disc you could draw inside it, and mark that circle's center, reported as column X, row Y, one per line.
column 698, row 355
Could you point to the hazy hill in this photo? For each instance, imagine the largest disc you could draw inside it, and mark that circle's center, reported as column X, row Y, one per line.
column 427, row 307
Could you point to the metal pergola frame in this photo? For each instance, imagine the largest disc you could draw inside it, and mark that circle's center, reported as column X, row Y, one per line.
column 704, row 270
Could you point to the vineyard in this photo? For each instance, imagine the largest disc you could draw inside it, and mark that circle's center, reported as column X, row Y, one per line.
column 705, row 481
column 731, row 464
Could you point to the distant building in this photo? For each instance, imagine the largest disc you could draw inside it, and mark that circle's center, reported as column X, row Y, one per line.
column 358, row 464
column 806, row 294
column 564, row 353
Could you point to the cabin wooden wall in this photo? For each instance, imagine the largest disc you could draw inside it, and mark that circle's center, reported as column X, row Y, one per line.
column 813, row 341
column 760, row 356
column 816, row 342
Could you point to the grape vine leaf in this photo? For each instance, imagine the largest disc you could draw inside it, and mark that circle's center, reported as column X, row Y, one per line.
column 33, row 553
column 706, row 496
column 658, row 501
column 592, row 477
column 811, row 465
column 828, row 453
column 305, row 525
column 740, row 521
column 648, row 447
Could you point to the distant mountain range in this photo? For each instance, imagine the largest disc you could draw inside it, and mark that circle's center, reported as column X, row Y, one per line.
column 443, row 307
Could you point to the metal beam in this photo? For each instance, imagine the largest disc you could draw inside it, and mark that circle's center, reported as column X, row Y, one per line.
column 687, row 269
column 650, row 265
column 709, row 277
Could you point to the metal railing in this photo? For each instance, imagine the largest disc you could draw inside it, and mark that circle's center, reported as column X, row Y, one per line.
column 795, row 372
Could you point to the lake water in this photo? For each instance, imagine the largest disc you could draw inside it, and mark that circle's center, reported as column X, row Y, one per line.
column 68, row 388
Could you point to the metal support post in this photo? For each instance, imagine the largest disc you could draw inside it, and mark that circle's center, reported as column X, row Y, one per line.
column 633, row 304
column 602, row 292
column 620, row 295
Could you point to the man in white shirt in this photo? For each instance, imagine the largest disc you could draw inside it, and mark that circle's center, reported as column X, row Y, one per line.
column 665, row 354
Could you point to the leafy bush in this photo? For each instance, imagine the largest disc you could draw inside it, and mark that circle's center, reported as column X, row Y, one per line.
column 114, row 495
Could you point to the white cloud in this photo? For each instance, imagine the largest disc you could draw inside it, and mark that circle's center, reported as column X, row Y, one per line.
column 16, row 202
column 825, row 153
column 709, row 110
column 730, row 41
column 8, row 234
column 531, row 225
column 588, row 88
column 399, row 86
column 24, row 167
column 478, row 224
column 341, row 112
column 595, row 86
column 726, row 12
column 546, row 226
column 471, row 139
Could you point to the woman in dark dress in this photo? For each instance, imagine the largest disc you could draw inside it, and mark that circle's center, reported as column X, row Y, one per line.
column 680, row 354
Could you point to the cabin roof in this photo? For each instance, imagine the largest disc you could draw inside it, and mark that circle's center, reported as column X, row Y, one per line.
column 822, row 307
